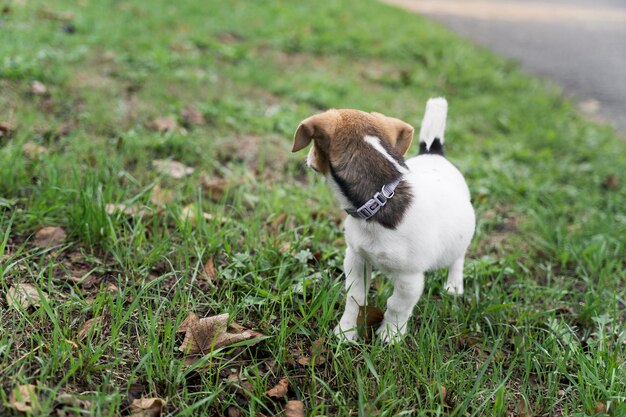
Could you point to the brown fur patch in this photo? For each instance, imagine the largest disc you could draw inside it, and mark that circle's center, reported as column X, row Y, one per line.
column 358, row 168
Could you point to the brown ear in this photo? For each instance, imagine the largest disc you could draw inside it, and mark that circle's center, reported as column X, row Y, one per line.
column 399, row 132
column 319, row 127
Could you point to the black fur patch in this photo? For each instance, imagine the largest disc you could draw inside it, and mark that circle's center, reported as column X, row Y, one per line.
column 436, row 148
column 364, row 175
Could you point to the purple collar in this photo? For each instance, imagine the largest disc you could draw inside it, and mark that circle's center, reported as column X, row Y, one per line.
column 374, row 204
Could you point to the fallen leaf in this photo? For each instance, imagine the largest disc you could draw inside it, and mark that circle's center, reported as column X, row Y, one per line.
column 33, row 151
column 367, row 319
column 319, row 347
column 192, row 116
column 304, row 360
column 174, row 169
column 187, row 323
column 229, row 37
column 87, row 326
column 161, row 197
column 6, row 130
column 133, row 210
column 147, row 407
column 38, row 88
column 369, row 316
column 233, row 411
column 294, row 408
column 77, row 406
column 164, row 124
column 280, row 389
column 443, row 391
column 285, row 247
column 66, row 127
column 239, row 385
column 611, row 182
column 50, row 236
column 601, row 408
column 209, row 270
column 522, row 409
column 55, row 15
column 24, row 398
column 214, row 186
column 24, row 295
column 210, row 333
column 277, row 222
column 190, row 213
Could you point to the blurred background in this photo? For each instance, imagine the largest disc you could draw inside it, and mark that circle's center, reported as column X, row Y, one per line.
column 579, row 44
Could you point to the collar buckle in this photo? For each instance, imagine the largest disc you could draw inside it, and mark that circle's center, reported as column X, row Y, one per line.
column 378, row 201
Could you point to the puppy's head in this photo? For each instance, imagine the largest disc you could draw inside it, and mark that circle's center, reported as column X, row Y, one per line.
column 339, row 135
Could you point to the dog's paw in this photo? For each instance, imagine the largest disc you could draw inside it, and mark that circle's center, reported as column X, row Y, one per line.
column 390, row 333
column 346, row 335
column 454, row 289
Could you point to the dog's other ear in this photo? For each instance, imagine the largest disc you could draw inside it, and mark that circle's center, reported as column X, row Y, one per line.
column 319, row 127
column 399, row 132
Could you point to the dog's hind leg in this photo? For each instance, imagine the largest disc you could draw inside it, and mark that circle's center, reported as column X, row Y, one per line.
column 454, row 285
column 358, row 277
column 407, row 290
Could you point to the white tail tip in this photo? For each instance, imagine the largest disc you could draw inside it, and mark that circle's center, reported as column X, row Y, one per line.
column 434, row 122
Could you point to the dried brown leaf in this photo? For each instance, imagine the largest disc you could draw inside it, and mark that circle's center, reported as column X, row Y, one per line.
column 202, row 335
column 161, row 197
column 369, row 316
column 38, row 88
column 192, row 116
column 50, row 14
column 233, row 411
column 215, row 187
column 611, row 182
column 23, row 295
column 171, row 168
column 24, row 398
column 209, row 270
column 211, row 333
column 278, row 222
column 187, row 323
column 132, row 210
column 285, row 247
column 33, row 151
column 87, row 326
column 304, row 360
column 147, row 407
column 6, row 130
column 50, row 236
column 74, row 403
column 280, row 389
column 601, row 408
column 294, row 408
column 164, row 124
column 190, row 213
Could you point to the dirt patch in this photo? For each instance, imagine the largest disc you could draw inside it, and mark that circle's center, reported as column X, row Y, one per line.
column 266, row 157
column 501, row 232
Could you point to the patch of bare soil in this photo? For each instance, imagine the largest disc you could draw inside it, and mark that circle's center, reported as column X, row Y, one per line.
column 501, row 232
column 265, row 157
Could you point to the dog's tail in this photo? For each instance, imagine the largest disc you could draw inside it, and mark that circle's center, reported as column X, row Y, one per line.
column 433, row 126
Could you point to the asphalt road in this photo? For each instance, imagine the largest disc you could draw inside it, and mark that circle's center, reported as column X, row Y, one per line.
column 579, row 44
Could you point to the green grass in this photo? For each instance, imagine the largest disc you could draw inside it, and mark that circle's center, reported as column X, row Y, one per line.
column 540, row 330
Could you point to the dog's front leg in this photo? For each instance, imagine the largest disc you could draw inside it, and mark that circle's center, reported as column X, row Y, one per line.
column 358, row 274
column 407, row 290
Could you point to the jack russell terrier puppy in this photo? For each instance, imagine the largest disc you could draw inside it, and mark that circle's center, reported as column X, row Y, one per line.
column 406, row 217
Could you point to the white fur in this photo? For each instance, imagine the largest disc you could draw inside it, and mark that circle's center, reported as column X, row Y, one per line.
column 434, row 122
column 375, row 142
column 435, row 232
